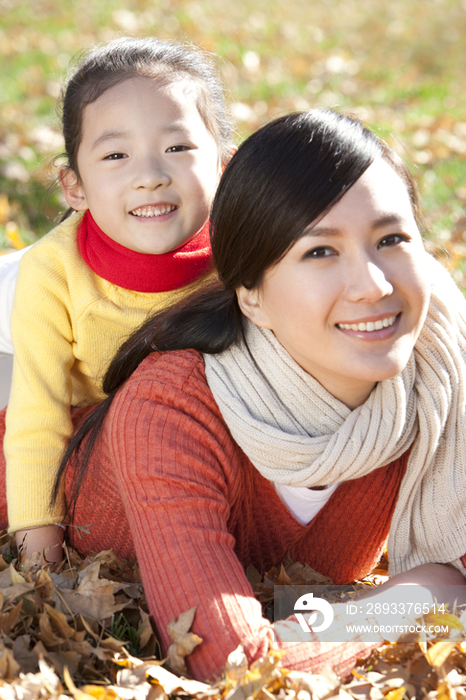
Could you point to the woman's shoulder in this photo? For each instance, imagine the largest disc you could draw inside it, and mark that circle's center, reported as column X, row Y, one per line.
column 179, row 365
column 167, row 399
column 169, row 376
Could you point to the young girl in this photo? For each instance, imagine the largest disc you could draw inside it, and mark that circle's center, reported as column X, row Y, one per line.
column 146, row 138
column 313, row 401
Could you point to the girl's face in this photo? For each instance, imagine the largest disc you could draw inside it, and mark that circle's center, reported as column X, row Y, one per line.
column 148, row 165
column 350, row 297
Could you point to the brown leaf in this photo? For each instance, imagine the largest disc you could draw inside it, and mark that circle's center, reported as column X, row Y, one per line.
column 26, row 658
column 183, row 641
column 47, row 635
column 9, row 620
column 44, row 584
column 99, row 607
column 9, row 667
column 59, row 622
column 145, row 630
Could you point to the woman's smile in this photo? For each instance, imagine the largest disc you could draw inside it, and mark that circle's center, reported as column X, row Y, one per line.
column 374, row 330
column 349, row 298
column 369, row 326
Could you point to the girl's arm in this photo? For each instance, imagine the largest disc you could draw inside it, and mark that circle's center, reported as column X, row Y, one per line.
column 47, row 539
column 38, row 416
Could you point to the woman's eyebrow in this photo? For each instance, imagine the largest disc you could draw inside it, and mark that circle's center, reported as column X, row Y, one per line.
column 388, row 220
column 381, row 222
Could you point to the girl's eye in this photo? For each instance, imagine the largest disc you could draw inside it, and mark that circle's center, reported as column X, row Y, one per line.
column 115, row 156
column 392, row 240
column 178, row 149
column 320, row 252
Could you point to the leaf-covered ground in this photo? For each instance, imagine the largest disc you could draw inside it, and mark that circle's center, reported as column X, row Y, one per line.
column 82, row 628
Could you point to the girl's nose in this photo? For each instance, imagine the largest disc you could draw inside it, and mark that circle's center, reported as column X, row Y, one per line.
column 150, row 173
column 368, row 283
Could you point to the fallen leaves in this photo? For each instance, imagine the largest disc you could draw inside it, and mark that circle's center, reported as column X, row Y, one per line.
column 65, row 615
column 80, row 629
column 184, row 642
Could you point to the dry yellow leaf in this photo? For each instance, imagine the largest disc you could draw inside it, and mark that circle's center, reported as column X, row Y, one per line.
column 439, row 652
column 397, row 694
column 76, row 692
column 158, row 675
column 237, row 665
column 443, row 619
column 100, row 692
column 184, row 641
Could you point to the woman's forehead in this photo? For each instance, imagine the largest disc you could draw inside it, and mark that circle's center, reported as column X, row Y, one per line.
column 378, row 198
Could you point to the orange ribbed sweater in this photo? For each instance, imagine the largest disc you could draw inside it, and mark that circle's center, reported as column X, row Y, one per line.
column 169, row 485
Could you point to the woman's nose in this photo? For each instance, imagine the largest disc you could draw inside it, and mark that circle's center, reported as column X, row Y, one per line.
column 368, row 282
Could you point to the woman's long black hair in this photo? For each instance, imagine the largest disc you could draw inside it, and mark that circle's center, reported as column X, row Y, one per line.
column 283, row 177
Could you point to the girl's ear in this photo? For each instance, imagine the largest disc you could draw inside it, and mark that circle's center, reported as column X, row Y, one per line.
column 250, row 303
column 72, row 189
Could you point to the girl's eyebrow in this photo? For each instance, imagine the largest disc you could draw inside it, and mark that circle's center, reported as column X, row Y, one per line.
column 381, row 222
column 109, row 136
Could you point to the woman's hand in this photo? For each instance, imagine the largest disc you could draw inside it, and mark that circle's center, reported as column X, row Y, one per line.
column 428, row 584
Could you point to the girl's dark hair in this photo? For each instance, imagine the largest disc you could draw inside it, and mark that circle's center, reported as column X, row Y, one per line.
column 282, row 178
column 104, row 67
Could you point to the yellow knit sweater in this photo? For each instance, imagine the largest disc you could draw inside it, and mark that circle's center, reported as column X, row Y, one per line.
column 67, row 325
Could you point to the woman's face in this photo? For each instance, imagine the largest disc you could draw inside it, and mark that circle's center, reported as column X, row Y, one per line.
column 349, row 298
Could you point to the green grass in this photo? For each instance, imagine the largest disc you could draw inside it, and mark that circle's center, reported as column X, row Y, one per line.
column 399, row 64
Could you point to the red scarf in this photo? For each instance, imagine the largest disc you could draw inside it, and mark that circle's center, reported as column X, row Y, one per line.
column 143, row 272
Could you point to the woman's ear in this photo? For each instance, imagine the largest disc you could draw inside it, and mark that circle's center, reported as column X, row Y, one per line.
column 72, row 189
column 230, row 155
column 250, row 303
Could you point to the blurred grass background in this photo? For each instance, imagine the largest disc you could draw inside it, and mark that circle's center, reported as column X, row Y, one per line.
column 398, row 64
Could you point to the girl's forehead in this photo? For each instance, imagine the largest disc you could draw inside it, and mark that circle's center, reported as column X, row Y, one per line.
column 159, row 104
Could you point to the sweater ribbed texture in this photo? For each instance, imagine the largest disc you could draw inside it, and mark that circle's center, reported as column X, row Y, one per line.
column 170, row 486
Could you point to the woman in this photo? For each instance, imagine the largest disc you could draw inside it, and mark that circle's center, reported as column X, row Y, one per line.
column 313, row 401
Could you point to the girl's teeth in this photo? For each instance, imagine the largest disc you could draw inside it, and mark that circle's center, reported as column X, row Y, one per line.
column 150, row 212
column 369, row 326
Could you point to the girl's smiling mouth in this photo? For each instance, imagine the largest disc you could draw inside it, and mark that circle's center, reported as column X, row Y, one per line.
column 151, row 211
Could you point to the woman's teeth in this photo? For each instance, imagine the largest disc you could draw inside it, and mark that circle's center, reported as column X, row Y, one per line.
column 149, row 212
column 369, row 326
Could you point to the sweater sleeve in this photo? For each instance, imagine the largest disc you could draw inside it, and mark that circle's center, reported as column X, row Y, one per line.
column 38, row 416
column 170, row 452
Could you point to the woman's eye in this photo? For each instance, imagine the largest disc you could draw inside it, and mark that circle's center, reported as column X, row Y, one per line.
column 392, row 239
column 115, row 156
column 178, row 149
column 320, row 252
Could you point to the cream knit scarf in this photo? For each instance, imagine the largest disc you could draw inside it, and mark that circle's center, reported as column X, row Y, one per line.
column 296, row 433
